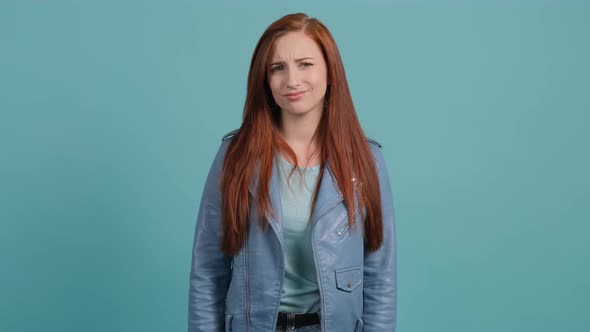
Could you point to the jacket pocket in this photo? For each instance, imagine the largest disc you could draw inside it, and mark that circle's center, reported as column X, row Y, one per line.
column 359, row 325
column 228, row 321
column 348, row 279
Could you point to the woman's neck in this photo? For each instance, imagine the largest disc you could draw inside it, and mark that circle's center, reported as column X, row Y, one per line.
column 298, row 133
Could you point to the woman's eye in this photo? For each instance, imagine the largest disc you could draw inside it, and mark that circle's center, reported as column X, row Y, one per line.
column 275, row 68
column 306, row 64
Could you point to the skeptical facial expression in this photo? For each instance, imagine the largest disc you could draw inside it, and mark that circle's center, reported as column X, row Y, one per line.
column 297, row 74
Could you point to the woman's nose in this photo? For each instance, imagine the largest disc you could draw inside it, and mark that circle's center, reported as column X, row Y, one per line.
column 293, row 77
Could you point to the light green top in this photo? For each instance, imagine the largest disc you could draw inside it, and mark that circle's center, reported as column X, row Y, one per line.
column 300, row 286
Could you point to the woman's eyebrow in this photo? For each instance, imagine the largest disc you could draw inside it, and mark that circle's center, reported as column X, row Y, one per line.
column 296, row 60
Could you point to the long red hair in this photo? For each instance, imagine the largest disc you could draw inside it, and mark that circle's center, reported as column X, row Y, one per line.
column 339, row 135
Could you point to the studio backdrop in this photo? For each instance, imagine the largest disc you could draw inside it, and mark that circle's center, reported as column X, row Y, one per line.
column 111, row 113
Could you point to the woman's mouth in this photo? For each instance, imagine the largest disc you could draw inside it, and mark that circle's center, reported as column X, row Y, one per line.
column 293, row 96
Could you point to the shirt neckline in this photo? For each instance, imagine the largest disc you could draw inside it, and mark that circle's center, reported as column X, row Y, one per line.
column 310, row 168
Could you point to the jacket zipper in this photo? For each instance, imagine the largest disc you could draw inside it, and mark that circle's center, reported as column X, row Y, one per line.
column 343, row 227
column 315, row 257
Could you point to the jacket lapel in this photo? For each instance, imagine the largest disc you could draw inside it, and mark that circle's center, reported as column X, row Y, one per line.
column 275, row 199
column 328, row 196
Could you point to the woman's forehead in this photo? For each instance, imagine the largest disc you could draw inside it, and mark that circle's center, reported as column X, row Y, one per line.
column 294, row 46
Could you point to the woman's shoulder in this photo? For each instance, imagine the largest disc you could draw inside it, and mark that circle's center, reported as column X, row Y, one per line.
column 234, row 132
column 374, row 142
column 223, row 147
column 229, row 135
column 376, row 150
column 375, row 147
column 226, row 140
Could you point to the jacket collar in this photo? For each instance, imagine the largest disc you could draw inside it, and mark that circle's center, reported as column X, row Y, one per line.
column 329, row 195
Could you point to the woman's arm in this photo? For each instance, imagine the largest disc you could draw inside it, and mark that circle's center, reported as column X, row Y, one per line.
column 210, row 270
column 380, row 271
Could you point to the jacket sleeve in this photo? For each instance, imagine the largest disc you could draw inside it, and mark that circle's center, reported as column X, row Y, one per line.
column 380, row 267
column 210, row 268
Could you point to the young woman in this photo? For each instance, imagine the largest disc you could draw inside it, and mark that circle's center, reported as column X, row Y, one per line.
column 295, row 230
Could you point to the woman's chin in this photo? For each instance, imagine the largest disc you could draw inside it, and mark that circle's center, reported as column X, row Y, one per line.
column 297, row 111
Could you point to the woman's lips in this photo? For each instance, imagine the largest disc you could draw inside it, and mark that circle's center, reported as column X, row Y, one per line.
column 295, row 95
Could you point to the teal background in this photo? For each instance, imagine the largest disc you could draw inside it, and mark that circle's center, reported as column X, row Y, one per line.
column 111, row 112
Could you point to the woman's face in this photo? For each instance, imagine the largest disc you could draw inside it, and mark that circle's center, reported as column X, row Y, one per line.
column 297, row 75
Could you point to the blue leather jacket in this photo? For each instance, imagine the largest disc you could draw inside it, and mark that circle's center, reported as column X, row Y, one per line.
column 242, row 293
